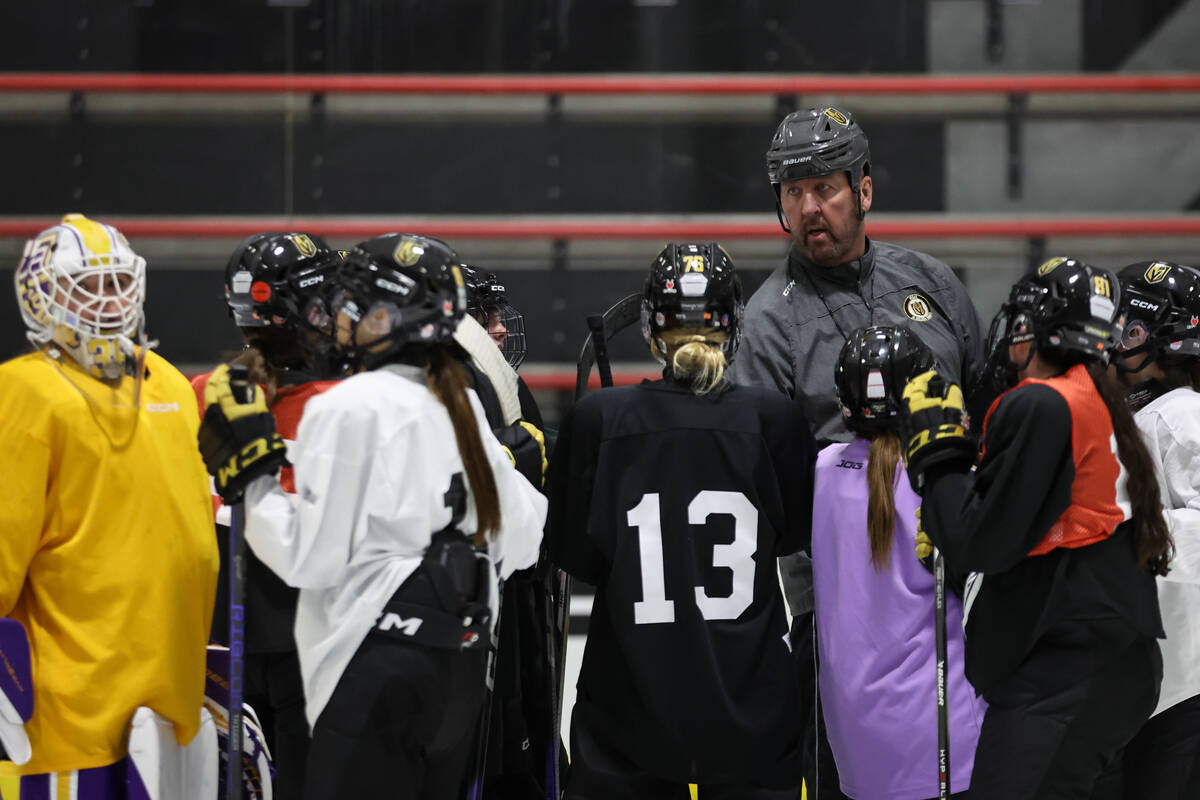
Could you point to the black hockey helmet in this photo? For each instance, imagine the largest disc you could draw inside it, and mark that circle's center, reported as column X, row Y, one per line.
column 271, row 277
column 695, row 286
column 1064, row 306
column 874, row 365
column 1160, row 305
column 818, row 141
column 408, row 289
column 485, row 296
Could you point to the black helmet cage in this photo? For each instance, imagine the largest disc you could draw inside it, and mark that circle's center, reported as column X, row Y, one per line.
column 1063, row 306
column 872, row 368
column 693, row 285
column 413, row 280
column 485, row 295
column 1164, row 297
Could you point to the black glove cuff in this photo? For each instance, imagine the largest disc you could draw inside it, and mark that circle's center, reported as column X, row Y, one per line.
column 955, row 454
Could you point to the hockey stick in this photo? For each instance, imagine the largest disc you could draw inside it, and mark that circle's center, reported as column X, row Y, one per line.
column 239, row 384
column 939, row 638
column 601, row 328
column 475, row 789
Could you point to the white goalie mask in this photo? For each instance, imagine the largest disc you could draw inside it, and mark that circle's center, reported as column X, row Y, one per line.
column 81, row 286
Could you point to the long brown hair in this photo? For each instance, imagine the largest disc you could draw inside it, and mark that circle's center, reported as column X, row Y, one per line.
column 881, row 505
column 1151, row 538
column 449, row 383
column 1180, row 371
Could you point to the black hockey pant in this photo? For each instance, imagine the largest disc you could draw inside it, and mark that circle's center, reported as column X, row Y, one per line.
column 400, row 724
column 275, row 691
column 600, row 772
column 1050, row 746
column 1163, row 760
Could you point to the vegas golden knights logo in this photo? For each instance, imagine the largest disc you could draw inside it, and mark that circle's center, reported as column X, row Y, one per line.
column 918, row 308
column 408, row 253
column 837, row 116
column 1047, row 267
column 305, row 245
column 1157, row 271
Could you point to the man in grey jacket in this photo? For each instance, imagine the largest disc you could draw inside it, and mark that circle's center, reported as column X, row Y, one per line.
column 836, row 280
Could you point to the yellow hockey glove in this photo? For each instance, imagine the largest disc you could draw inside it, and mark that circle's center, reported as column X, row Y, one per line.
column 237, row 434
column 933, row 426
column 526, row 446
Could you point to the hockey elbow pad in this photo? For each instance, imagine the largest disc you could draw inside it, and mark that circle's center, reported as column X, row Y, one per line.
column 933, row 426
column 237, row 437
column 16, row 692
column 526, row 446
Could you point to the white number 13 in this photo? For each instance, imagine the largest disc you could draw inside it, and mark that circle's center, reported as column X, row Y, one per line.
column 738, row 556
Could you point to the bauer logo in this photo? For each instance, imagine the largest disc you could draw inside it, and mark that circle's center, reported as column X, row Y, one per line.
column 787, row 162
column 1157, row 271
column 918, row 308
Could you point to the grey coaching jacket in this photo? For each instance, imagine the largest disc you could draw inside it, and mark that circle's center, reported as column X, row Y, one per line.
column 797, row 321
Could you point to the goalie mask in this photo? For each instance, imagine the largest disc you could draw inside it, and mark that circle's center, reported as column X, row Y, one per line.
column 692, row 286
column 81, row 287
column 872, row 369
column 1065, row 307
column 1160, row 306
column 488, row 304
column 393, row 291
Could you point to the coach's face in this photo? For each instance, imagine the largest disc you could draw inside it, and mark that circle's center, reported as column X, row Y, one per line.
column 825, row 219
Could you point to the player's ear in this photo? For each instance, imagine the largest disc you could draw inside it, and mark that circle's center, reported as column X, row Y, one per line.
column 866, row 193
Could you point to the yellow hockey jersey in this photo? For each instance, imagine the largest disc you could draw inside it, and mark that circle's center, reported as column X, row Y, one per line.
column 106, row 553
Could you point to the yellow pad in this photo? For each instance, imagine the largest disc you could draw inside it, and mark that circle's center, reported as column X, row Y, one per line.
column 10, row 788
column 694, row 791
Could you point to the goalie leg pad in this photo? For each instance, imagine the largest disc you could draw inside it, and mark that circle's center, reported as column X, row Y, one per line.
column 258, row 768
column 16, row 692
column 162, row 769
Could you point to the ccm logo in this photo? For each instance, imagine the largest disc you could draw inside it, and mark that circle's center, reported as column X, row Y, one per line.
column 851, row 465
column 393, row 621
column 161, row 408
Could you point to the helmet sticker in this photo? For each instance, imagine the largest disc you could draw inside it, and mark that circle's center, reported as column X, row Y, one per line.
column 306, row 246
column 1102, row 286
column 837, row 116
column 693, row 284
column 669, row 286
column 693, row 263
column 875, row 390
column 1157, row 271
column 260, row 291
column 240, row 282
column 660, row 319
column 918, row 308
column 408, row 253
column 1048, row 266
column 1102, row 307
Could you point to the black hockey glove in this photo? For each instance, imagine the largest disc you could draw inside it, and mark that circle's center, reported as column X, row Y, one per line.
column 237, row 436
column 526, row 446
column 933, row 427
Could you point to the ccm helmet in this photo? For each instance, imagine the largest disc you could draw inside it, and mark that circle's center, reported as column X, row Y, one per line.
column 694, row 286
column 1065, row 307
column 271, row 277
column 874, row 365
column 1160, row 303
column 485, row 297
column 397, row 289
column 80, row 285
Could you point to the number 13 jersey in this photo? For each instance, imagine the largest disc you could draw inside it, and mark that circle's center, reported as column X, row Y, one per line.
column 675, row 507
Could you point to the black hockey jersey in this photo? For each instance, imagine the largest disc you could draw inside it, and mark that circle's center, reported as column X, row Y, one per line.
column 1055, row 616
column 675, row 507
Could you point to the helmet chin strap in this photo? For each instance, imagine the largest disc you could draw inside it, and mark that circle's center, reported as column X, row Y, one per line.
column 1119, row 360
column 779, row 213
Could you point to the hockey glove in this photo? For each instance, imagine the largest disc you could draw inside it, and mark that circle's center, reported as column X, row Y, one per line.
column 526, row 446
column 924, row 545
column 933, row 426
column 237, row 436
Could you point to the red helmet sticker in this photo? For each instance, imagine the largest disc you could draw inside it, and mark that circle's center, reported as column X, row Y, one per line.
column 260, row 291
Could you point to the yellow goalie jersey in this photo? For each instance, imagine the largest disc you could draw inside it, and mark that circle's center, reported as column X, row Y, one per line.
column 107, row 555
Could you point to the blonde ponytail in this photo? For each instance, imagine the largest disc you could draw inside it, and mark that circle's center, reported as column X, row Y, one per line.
column 694, row 355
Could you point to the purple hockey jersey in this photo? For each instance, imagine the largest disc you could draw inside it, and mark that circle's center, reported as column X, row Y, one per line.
column 875, row 633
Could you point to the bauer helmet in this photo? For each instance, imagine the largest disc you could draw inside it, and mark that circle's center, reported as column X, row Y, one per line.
column 397, row 289
column 80, row 285
column 1064, row 306
column 692, row 286
column 818, row 141
column 1160, row 305
column 874, row 365
column 485, row 297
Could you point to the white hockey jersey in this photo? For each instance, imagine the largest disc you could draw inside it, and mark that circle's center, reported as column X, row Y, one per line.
column 1170, row 424
column 374, row 458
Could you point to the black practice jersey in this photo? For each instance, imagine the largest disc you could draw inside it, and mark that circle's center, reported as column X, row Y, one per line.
column 675, row 507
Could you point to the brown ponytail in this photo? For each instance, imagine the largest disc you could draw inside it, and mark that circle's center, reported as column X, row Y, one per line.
column 1180, row 371
column 881, row 505
column 1150, row 535
column 449, row 383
